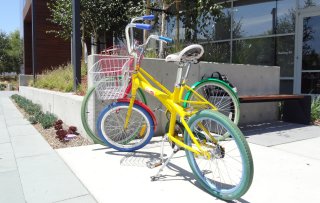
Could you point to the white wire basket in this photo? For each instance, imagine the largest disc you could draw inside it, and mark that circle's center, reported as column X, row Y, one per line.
column 111, row 77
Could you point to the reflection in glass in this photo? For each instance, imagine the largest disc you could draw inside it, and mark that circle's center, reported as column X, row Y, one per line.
column 259, row 51
column 217, row 52
column 308, row 3
column 310, row 83
column 286, row 86
column 215, row 28
column 286, row 16
column 311, row 43
column 285, row 55
column 256, row 17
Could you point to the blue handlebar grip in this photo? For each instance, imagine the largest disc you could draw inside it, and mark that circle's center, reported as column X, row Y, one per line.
column 167, row 39
column 143, row 26
column 148, row 17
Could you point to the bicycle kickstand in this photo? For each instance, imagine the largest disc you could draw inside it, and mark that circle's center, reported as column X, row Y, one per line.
column 156, row 177
column 158, row 162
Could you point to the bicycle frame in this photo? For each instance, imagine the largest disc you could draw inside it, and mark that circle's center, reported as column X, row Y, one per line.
column 173, row 102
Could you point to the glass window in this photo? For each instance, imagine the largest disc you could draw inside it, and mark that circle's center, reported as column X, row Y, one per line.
column 311, row 43
column 286, row 86
column 286, row 16
column 254, row 51
column 285, row 55
column 172, row 28
column 217, row 52
column 254, row 18
column 308, row 3
column 215, row 28
column 310, row 83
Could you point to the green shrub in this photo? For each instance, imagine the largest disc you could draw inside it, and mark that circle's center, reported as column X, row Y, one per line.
column 59, row 78
column 2, row 86
column 38, row 116
column 48, row 120
column 26, row 104
column 34, row 111
column 315, row 109
column 32, row 120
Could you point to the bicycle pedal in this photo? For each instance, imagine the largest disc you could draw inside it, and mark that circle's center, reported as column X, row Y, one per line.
column 154, row 163
column 154, row 178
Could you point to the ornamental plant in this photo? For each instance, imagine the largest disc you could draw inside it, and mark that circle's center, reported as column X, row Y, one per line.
column 315, row 109
column 35, row 114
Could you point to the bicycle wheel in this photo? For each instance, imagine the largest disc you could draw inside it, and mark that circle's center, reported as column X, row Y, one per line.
column 228, row 173
column 220, row 94
column 111, row 130
column 89, row 113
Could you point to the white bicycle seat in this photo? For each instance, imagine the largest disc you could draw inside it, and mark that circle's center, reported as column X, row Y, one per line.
column 190, row 53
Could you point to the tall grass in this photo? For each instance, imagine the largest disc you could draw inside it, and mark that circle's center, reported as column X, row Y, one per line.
column 59, row 78
column 315, row 108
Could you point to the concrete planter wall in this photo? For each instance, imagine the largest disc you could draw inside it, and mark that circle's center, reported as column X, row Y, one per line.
column 66, row 106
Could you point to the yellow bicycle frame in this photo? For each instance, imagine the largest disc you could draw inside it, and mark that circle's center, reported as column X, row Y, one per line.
column 173, row 102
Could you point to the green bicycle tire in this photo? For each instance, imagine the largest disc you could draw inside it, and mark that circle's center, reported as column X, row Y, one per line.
column 84, row 113
column 236, row 141
column 223, row 86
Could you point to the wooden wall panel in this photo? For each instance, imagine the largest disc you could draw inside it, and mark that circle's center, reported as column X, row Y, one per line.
column 27, row 45
column 50, row 51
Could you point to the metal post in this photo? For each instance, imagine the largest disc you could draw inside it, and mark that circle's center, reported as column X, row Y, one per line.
column 76, row 49
column 33, row 30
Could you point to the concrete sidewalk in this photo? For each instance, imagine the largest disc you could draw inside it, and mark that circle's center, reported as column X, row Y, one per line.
column 286, row 160
column 30, row 170
column 283, row 173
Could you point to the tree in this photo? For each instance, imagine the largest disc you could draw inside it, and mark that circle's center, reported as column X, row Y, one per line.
column 191, row 13
column 10, row 52
column 98, row 18
column 4, row 44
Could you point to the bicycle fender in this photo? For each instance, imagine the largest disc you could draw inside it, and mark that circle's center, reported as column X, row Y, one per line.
column 147, row 108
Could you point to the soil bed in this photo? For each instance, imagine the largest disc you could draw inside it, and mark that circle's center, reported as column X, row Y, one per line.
column 50, row 135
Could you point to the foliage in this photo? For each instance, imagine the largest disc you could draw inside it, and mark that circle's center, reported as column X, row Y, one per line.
column 59, row 79
column 10, row 52
column 4, row 45
column 26, row 104
column 6, row 80
column 150, row 53
column 196, row 16
column 315, row 109
column 2, row 86
column 47, row 120
column 34, row 111
column 96, row 16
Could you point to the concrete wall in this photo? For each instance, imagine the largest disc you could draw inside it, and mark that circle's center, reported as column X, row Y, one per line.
column 249, row 80
column 25, row 79
column 66, row 106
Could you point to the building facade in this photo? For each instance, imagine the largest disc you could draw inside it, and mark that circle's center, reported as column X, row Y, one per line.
column 42, row 50
column 283, row 33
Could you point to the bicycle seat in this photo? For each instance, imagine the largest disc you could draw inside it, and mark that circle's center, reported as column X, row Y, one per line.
column 190, row 53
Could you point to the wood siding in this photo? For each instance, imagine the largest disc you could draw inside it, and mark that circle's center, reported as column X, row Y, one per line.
column 50, row 51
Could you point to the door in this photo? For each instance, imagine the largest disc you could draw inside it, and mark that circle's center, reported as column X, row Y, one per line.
column 307, row 64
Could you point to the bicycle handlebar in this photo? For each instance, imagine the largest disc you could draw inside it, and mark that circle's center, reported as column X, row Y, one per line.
column 166, row 39
column 129, row 37
column 148, row 17
column 142, row 26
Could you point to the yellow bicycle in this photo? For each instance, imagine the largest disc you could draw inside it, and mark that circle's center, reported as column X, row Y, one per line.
column 217, row 151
